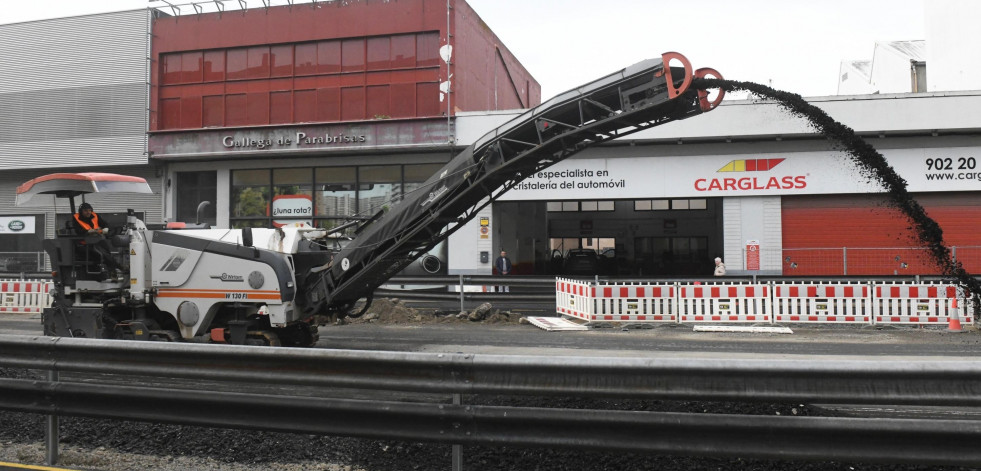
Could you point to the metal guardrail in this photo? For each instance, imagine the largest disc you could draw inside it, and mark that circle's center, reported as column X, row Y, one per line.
column 241, row 368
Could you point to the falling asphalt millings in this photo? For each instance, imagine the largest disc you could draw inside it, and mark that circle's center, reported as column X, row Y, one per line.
column 872, row 165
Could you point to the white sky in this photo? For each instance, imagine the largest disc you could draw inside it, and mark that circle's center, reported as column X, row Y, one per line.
column 796, row 44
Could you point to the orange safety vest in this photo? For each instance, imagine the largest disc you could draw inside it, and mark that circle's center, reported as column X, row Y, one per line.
column 87, row 227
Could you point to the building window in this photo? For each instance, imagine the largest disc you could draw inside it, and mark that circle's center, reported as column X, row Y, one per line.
column 250, row 196
column 323, row 197
column 584, row 206
column 378, row 188
column 193, row 188
column 671, row 205
column 334, row 86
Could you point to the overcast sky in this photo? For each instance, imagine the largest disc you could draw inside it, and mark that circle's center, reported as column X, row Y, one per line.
column 793, row 45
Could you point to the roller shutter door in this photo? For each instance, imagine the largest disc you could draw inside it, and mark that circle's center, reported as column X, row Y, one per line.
column 863, row 235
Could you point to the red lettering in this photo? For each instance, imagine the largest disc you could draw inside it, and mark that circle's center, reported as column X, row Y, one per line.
column 700, row 184
column 715, row 185
column 788, row 182
column 801, row 181
column 730, row 183
column 746, row 183
column 772, row 183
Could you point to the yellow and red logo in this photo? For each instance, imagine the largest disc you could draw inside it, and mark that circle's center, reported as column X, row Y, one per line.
column 788, row 182
column 750, row 165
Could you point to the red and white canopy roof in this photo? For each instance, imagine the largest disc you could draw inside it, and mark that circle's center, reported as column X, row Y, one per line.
column 69, row 185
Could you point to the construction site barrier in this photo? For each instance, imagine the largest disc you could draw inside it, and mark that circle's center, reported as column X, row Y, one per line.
column 635, row 302
column 28, row 296
column 910, row 303
column 737, row 302
column 809, row 302
column 574, row 298
column 829, row 303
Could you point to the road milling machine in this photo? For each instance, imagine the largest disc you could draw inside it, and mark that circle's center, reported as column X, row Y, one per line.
column 275, row 286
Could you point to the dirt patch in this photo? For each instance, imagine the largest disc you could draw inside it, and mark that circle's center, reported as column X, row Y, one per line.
column 394, row 311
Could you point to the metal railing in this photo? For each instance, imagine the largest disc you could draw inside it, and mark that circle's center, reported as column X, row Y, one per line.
column 236, row 398
column 852, row 261
column 22, row 262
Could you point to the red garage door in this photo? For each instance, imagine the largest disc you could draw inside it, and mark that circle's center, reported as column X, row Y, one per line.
column 863, row 235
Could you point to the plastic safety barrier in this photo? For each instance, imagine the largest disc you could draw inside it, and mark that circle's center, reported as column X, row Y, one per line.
column 902, row 303
column 773, row 302
column 743, row 302
column 24, row 296
column 831, row 303
column 635, row 302
column 574, row 298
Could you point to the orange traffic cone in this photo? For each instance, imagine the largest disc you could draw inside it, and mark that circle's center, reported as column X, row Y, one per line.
column 954, row 320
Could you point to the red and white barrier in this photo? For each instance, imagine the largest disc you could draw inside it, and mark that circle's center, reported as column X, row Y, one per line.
column 839, row 303
column 832, row 303
column 24, row 296
column 635, row 302
column 901, row 303
column 724, row 303
column 574, row 298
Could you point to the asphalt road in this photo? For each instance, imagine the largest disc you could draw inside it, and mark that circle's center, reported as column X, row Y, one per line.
column 662, row 340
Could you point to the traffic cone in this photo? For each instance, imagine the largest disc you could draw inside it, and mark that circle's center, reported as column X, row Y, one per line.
column 954, row 320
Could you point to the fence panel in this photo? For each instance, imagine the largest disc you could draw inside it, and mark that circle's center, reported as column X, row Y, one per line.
column 725, row 302
column 28, row 296
column 919, row 303
column 575, row 298
column 838, row 303
column 636, row 302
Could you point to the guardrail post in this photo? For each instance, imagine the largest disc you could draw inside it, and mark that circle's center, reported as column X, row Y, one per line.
column 51, row 430
column 461, row 293
column 457, row 448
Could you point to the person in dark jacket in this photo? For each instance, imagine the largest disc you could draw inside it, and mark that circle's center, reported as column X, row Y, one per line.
column 503, row 267
column 87, row 223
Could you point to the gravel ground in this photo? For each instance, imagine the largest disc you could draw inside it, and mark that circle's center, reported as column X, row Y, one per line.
column 110, row 445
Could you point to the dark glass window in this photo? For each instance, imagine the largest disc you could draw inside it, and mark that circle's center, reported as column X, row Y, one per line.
column 335, row 193
column 403, row 51
column 170, row 65
column 379, row 53
column 306, row 59
column 250, row 194
column 378, row 188
column 191, row 67
column 258, row 62
column 292, row 199
column 282, row 61
column 192, row 189
column 214, row 66
column 352, row 55
column 237, row 63
column 329, row 57
column 427, row 49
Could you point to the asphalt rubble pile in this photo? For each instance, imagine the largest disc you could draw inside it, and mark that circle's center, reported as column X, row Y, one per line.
column 394, row 311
